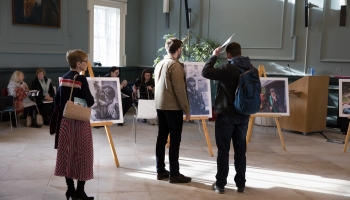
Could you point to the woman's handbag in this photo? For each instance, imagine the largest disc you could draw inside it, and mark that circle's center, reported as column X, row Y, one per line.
column 74, row 111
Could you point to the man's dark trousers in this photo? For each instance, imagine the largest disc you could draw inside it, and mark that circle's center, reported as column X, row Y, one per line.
column 229, row 128
column 169, row 121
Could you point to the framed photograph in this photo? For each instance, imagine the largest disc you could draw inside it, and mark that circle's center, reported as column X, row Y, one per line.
column 108, row 105
column 44, row 13
column 198, row 90
column 344, row 97
column 274, row 96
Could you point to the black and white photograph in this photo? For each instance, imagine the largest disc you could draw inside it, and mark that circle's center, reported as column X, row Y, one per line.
column 344, row 97
column 107, row 94
column 198, row 90
column 274, row 96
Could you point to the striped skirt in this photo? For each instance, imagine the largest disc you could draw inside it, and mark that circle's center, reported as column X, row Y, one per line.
column 75, row 154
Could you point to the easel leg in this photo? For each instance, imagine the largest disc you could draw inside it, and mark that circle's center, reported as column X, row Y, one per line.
column 168, row 143
column 207, row 137
column 347, row 139
column 280, row 133
column 111, row 144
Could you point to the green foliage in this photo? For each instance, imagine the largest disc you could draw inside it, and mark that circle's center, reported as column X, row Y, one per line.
column 198, row 50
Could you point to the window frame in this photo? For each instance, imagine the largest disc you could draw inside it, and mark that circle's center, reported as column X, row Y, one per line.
column 120, row 4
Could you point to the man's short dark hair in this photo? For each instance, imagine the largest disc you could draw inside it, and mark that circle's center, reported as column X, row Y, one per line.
column 172, row 45
column 234, row 49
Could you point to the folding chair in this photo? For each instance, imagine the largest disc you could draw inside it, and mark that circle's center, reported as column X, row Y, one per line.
column 146, row 110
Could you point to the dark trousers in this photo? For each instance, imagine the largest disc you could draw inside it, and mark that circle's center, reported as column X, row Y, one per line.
column 127, row 102
column 226, row 129
column 169, row 121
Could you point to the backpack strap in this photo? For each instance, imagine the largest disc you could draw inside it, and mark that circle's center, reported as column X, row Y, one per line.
column 242, row 70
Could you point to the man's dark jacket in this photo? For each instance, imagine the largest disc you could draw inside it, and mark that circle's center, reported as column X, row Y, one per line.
column 227, row 75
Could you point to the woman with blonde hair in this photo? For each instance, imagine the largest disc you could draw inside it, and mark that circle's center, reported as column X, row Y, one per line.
column 20, row 92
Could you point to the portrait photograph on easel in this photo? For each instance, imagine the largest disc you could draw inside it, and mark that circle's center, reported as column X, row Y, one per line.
column 198, row 90
column 344, row 97
column 108, row 104
column 274, row 96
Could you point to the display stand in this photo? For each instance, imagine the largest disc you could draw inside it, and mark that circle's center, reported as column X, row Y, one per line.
column 207, row 138
column 262, row 73
column 347, row 138
column 105, row 124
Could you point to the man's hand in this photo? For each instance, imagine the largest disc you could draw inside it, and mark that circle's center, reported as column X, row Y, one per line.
column 188, row 117
column 216, row 52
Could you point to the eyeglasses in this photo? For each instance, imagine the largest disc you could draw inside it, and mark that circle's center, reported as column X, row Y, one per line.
column 84, row 61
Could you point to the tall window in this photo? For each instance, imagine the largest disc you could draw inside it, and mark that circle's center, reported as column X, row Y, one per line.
column 107, row 28
column 106, row 35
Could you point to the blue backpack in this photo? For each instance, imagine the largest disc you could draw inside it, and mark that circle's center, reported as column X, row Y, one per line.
column 247, row 99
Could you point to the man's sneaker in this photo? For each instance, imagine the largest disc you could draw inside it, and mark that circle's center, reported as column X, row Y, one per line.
column 179, row 179
column 163, row 175
column 217, row 189
column 240, row 189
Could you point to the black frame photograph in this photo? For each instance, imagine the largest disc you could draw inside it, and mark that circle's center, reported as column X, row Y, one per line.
column 43, row 13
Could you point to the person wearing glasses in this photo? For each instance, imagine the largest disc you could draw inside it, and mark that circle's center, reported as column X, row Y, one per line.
column 74, row 148
column 126, row 90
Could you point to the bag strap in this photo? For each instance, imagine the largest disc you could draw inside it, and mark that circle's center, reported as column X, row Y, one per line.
column 71, row 91
column 37, row 109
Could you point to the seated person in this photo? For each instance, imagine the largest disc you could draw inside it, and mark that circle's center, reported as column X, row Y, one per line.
column 126, row 89
column 46, row 93
column 146, row 86
column 20, row 92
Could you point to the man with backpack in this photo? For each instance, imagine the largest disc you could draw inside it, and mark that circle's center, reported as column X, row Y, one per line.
column 230, row 123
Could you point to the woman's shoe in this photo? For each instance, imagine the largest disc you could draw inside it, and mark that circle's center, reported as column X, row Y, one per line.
column 81, row 196
column 71, row 188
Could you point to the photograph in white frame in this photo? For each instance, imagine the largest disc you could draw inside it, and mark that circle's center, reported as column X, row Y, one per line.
column 198, row 90
column 107, row 94
column 344, row 97
column 274, row 96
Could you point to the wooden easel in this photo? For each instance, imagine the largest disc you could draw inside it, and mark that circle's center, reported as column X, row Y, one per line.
column 105, row 124
column 347, row 138
column 205, row 130
column 262, row 73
